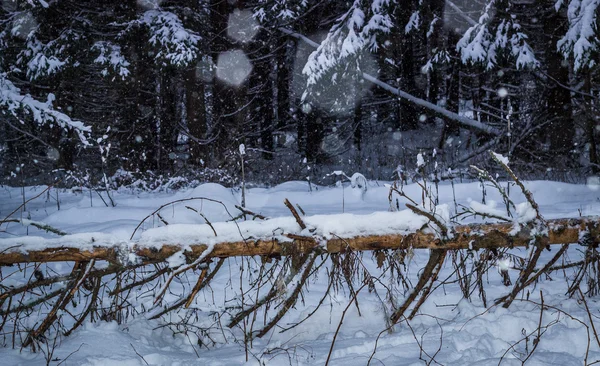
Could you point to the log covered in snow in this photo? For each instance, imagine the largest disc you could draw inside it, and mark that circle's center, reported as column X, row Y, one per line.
column 475, row 236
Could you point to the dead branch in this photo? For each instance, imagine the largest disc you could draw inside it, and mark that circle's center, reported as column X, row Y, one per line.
column 527, row 193
column 524, row 279
column 269, row 296
column 589, row 313
column 291, row 300
column 254, row 215
column 440, row 261
column 174, row 202
column 177, row 304
column 204, row 217
column 26, row 202
column 295, row 213
column 546, row 269
column 60, row 304
column 39, row 225
column 430, row 216
column 31, row 304
column 435, row 258
column 196, row 288
column 88, row 309
column 337, row 330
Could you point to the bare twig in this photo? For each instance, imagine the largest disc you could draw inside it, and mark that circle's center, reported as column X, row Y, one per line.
column 528, row 195
column 342, row 320
column 589, row 313
column 430, row 216
column 174, row 202
column 29, row 200
column 204, row 217
column 39, row 225
column 136, row 352
column 435, row 258
column 291, row 300
column 251, row 213
column 295, row 213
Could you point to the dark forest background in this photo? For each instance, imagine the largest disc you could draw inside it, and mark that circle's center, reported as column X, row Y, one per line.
column 172, row 88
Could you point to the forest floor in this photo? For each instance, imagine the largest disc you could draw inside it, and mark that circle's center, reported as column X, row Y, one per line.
column 448, row 329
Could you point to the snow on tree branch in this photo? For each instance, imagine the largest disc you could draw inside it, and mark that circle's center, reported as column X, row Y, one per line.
column 495, row 39
column 45, row 59
column 583, row 37
column 110, row 55
column 42, row 113
column 269, row 11
column 34, row 3
column 176, row 44
column 354, row 31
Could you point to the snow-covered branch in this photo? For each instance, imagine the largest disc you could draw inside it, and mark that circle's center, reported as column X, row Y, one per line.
column 175, row 44
column 491, row 40
column 404, row 95
column 13, row 101
column 582, row 40
column 355, row 31
column 111, row 56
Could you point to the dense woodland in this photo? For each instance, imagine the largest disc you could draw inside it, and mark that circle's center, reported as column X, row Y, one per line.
column 113, row 91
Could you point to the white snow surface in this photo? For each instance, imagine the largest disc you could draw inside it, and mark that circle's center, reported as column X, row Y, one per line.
column 462, row 332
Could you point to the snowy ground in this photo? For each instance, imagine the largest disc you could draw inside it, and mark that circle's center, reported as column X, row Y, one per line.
column 455, row 331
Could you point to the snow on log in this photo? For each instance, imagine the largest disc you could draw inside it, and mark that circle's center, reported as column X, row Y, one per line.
column 161, row 243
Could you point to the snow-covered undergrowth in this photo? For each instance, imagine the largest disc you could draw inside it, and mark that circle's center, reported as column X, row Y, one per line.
column 448, row 328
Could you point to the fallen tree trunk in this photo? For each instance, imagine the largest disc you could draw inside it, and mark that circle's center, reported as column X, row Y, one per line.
column 474, row 236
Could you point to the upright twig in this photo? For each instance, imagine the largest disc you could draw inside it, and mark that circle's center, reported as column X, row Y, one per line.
column 295, row 213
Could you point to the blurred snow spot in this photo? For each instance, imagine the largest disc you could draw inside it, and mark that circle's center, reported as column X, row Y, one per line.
column 332, row 144
column 242, row 26
column 502, row 92
column 204, row 69
column 306, row 108
column 397, row 135
column 23, row 25
column 420, row 160
column 9, row 5
column 422, row 118
column 593, row 183
column 148, row 4
column 52, row 153
column 233, row 67
column 505, row 264
column 138, row 139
